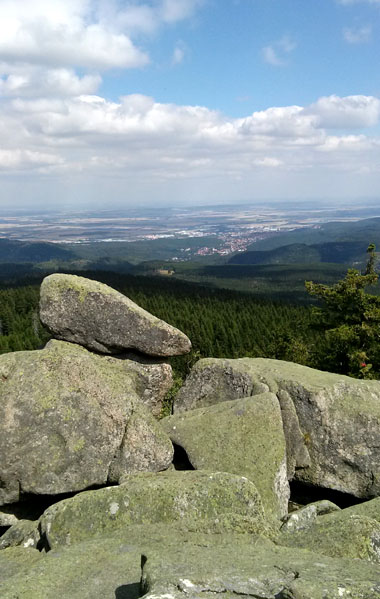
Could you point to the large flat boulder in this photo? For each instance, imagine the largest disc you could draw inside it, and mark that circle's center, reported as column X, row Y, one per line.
column 98, row 317
column 256, row 569
column 70, row 419
column 107, row 569
column 195, row 501
column 334, row 425
column 175, row 564
column 243, row 436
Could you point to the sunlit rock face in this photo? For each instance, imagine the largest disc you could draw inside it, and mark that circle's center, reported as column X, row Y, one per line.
column 98, row 317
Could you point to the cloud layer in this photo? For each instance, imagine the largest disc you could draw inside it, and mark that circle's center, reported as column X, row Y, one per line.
column 55, row 126
column 89, row 134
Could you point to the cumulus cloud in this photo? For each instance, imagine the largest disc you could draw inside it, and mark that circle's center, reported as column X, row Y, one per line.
column 276, row 54
column 333, row 112
column 357, row 35
column 37, row 81
column 91, row 34
column 139, row 137
column 61, row 33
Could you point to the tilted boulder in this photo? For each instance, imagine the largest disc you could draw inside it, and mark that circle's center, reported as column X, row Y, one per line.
column 243, row 437
column 195, row 501
column 338, row 418
column 98, row 317
column 70, row 419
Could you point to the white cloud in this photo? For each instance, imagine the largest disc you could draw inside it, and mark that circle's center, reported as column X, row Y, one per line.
column 60, row 33
column 276, row 54
column 83, row 33
column 138, row 143
column 172, row 11
column 358, row 35
column 20, row 160
column 37, row 81
column 333, row 112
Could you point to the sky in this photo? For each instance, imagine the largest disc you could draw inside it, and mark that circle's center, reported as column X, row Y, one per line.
column 128, row 103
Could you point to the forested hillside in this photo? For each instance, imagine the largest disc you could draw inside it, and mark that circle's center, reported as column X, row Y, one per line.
column 338, row 252
column 220, row 323
column 352, row 232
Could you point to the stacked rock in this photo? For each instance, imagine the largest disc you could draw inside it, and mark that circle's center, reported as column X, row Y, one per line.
column 80, row 413
column 71, row 418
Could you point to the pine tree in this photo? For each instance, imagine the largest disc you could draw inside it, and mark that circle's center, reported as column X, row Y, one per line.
column 350, row 318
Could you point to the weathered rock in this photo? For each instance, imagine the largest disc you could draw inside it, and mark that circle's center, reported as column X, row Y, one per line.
column 338, row 534
column 154, row 379
column 370, row 509
column 8, row 519
column 98, row 317
column 103, row 569
column 257, row 569
column 243, row 437
column 339, row 417
column 296, row 450
column 16, row 561
column 178, row 564
column 64, row 416
column 212, row 381
column 305, row 517
column 24, row 532
column 195, row 501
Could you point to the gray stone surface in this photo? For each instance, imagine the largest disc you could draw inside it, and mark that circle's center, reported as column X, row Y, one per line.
column 243, row 437
column 98, row 317
column 296, row 450
column 23, row 532
column 64, row 416
column 258, row 570
column 306, row 516
column 8, row 519
column 154, row 379
column 339, row 417
column 338, row 534
column 195, row 501
column 178, row 564
column 104, row 569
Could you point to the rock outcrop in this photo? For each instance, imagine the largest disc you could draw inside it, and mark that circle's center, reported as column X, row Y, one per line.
column 338, row 417
column 194, row 501
column 70, row 419
column 98, row 317
column 244, row 437
column 255, row 569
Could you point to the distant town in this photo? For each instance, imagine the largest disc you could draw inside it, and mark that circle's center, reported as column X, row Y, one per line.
column 225, row 229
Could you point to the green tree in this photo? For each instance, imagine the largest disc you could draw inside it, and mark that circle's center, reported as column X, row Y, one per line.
column 350, row 318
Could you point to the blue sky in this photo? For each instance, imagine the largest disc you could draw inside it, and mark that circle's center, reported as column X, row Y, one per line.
column 129, row 102
column 245, row 55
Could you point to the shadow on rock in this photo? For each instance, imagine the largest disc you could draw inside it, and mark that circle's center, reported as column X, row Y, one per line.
column 128, row 591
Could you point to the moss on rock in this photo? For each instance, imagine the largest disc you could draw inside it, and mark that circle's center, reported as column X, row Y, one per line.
column 193, row 501
column 244, row 437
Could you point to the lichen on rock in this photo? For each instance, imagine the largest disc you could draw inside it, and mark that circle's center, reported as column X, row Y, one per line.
column 100, row 318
